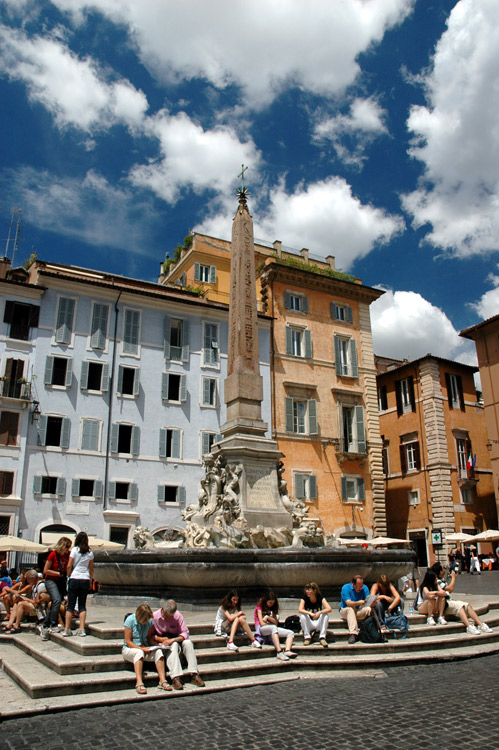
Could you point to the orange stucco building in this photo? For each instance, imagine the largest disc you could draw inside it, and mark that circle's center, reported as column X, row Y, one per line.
column 324, row 402
column 431, row 424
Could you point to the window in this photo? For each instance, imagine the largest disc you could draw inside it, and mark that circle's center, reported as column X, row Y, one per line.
column 128, row 381
column 301, row 416
column 352, row 489
column 296, row 301
column 345, row 352
column 173, row 387
column 169, row 443
column 64, row 321
column 305, row 486
column 210, row 345
column 467, row 495
column 341, row 312
column 353, row 438
column 98, row 328
column 53, row 431
column 169, row 494
column 298, row 342
column 131, row 332
column 6, row 482
column 382, row 398
column 125, row 438
column 95, row 376
column 404, row 392
column 207, row 441
column 123, row 491
column 209, row 391
column 207, row 274
column 21, row 318
column 47, row 485
column 413, row 497
column 12, row 386
column 9, row 424
column 87, row 488
column 463, row 448
column 176, row 339
column 4, row 525
column 90, row 434
column 410, row 457
column 455, row 394
column 385, row 456
column 119, row 534
column 58, row 371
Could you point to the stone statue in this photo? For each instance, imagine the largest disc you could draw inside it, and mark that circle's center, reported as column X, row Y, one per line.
column 307, row 534
column 143, row 538
column 297, row 508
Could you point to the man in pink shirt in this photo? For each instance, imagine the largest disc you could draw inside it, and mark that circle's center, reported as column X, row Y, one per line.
column 171, row 632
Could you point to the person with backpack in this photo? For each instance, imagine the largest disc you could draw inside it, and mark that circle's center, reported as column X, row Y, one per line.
column 355, row 605
column 314, row 614
column 388, row 599
column 55, row 576
column 463, row 610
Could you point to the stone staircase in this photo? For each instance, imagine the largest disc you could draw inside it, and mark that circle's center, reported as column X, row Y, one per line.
column 65, row 673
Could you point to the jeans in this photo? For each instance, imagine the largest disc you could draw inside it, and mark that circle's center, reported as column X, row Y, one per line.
column 56, row 592
column 78, row 588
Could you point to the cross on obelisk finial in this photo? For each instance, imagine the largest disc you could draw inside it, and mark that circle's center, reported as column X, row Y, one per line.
column 241, row 175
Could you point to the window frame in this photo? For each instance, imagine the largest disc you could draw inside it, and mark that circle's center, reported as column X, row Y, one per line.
column 305, row 485
column 136, row 381
column 99, row 331
column 131, row 348
column 175, row 442
column 216, row 397
column 360, row 489
column 65, row 320
column 311, row 422
column 213, row 360
column 50, row 368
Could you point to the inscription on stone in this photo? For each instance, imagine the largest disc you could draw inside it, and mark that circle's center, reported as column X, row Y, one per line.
column 259, row 486
column 77, row 509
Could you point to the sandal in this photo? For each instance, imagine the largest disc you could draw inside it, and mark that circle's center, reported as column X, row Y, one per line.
column 164, row 686
column 9, row 631
column 140, row 689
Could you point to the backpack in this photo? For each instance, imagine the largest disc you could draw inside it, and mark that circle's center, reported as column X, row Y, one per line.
column 369, row 631
column 293, row 623
column 398, row 621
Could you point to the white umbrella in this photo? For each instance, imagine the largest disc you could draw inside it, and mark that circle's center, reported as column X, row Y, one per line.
column 353, row 541
column 458, row 536
column 491, row 535
column 15, row 544
column 103, row 544
column 379, row 541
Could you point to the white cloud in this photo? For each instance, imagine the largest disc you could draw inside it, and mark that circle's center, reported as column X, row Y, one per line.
column 260, row 45
column 361, row 126
column 191, row 156
column 488, row 304
column 324, row 217
column 72, row 89
column 407, row 326
column 90, row 210
column 456, row 136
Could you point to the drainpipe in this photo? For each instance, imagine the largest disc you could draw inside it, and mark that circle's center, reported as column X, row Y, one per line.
column 110, row 410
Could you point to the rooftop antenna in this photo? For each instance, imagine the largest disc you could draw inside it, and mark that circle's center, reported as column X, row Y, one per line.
column 16, row 238
column 7, row 243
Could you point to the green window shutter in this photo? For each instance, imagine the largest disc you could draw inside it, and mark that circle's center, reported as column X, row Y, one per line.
column 344, row 492
column 111, row 490
column 304, row 304
column 120, row 379
column 84, row 375
column 133, row 492
column 175, row 444
column 60, row 487
column 312, row 416
column 361, row 489
column 105, row 377
column 65, row 430
column 136, row 382
column 183, row 388
column 65, row 315
column 205, row 443
column 86, row 434
column 460, row 391
column 114, row 437
column 289, row 343
column 300, row 486
column 289, row 414
column 98, row 329
column 334, row 312
column 197, row 271
column 348, row 314
column 354, row 365
column 210, row 338
column 308, row 343
column 206, row 392
column 37, row 485
column 69, row 372
column 135, row 440
column 185, row 341
column 49, row 369
column 98, row 489
column 75, row 488
column 337, row 355
column 165, row 379
column 218, row 437
column 312, row 487
column 161, row 493
column 131, row 332
column 42, row 429
column 361, row 433
column 287, row 300
column 163, row 435
column 167, row 327
column 181, row 496
column 213, row 274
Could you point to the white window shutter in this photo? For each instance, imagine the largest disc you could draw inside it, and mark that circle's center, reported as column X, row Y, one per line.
column 65, row 431
column 135, row 440
column 136, row 382
column 42, row 429
column 163, row 437
column 105, row 377
column 75, row 488
column 175, row 444
column 183, row 388
column 61, row 487
column 49, row 369
column 84, row 375
column 206, row 392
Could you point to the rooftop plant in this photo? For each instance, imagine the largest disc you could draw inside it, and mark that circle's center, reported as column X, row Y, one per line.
column 310, row 267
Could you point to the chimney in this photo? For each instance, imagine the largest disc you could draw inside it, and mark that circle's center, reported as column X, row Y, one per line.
column 330, row 259
column 4, row 267
column 277, row 244
column 304, row 253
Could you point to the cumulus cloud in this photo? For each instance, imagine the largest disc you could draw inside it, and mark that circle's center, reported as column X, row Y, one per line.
column 191, row 156
column 314, row 49
column 406, row 325
column 488, row 304
column 456, row 137
column 324, row 216
column 72, row 89
column 90, row 210
column 350, row 134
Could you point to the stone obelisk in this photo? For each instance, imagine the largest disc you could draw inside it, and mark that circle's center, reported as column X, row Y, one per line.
column 244, row 443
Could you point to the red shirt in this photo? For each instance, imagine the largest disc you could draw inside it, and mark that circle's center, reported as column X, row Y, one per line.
column 55, row 564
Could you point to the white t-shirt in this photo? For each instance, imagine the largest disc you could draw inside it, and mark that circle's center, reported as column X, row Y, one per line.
column 80, row 563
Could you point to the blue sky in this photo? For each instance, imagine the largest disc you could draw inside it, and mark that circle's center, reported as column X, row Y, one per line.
column 369, row 128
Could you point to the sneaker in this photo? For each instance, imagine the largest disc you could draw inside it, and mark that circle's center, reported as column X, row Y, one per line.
column 485, row 628
column 430, row 621
column 282, row 656
column 291, row 654
column 306, row 642
column 442, row 621
column 352, row 638
column 66, row 633
column 256, row 644
column 324, row 643
column 44, row 633
column 81, row 633
column 472, row 629
column 232, row 646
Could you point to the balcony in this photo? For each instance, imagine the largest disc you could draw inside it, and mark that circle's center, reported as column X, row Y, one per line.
column 18, row 389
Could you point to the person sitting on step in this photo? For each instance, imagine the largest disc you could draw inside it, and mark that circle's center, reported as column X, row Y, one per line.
column 356, row 604
column 136, row 648
column 31, row 603
column 314, row 614
column 267, row 624
column 171, row 632
column 430, row 599
column 388, row 599
column 458, row 608
column 231, row 618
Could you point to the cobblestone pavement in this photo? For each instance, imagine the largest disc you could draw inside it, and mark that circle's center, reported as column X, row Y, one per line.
column 445, row 705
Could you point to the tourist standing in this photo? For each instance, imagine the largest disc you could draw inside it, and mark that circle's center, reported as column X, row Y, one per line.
column 80, row 573
column 55, row 574
column 474, row 562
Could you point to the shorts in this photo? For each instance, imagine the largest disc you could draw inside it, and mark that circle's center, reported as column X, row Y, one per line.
column 454, row 606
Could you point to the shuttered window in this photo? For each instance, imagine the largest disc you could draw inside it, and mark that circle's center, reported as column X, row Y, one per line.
column 90, row 431
column 131, row 332
column 65, row 319
column 9, row 424
column 98, row 329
